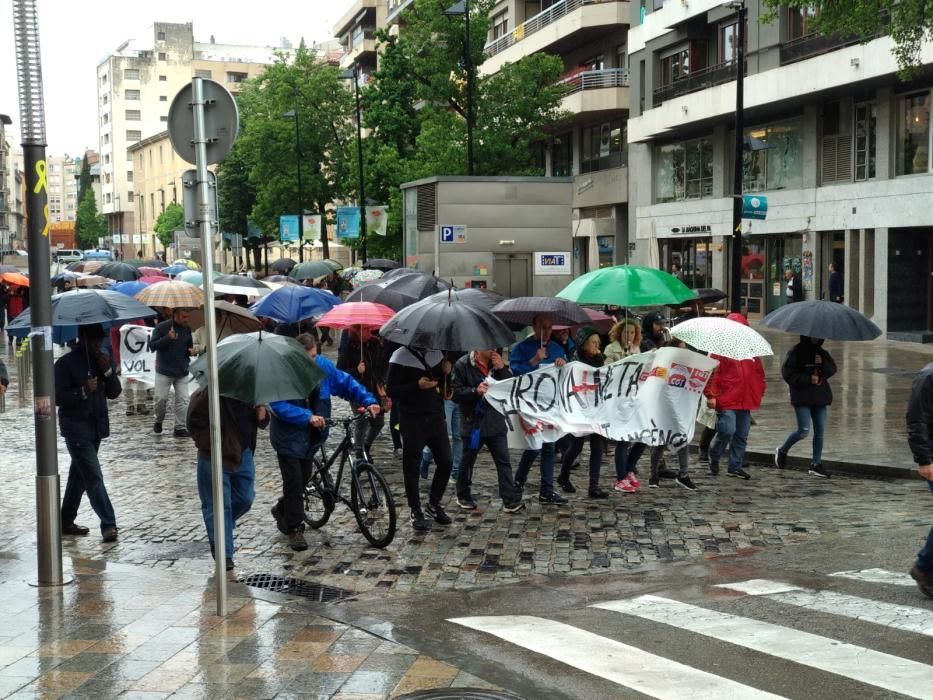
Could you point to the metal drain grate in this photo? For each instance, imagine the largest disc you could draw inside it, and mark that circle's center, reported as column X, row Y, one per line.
column 459, row 694
column 295, row 586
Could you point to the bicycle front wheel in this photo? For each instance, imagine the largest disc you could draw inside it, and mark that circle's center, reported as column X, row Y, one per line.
column 373, row 505
column 318, row 499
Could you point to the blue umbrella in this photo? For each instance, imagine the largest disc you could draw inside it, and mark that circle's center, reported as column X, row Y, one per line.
column 83, row 307
column 131, row 289
column 292, row 304
column 175, row 269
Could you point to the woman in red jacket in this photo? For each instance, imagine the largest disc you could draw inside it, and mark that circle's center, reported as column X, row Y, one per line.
column 734, row 391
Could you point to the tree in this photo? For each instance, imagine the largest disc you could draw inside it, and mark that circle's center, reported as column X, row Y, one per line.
column 90, row 226
column 170, row 220
column 908, row 22
column 236, row 197
column 84, row 180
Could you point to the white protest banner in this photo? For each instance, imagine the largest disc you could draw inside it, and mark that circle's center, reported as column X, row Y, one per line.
column 650, row 398
column 137, row 361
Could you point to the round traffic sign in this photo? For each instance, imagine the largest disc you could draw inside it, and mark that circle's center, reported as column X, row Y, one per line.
column 221, row 121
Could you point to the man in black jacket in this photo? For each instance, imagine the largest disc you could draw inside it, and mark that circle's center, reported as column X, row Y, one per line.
column 920, row 439
column 173, row 345
column 414, row 383
column 84, row 380
column 481, row 424
column 793, row 290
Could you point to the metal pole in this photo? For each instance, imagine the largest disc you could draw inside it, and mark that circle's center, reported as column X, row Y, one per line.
column 301, row 213
column 32, row 116
column 210, row 323
column 468, row 64
column 359, row 154
column 736, row 294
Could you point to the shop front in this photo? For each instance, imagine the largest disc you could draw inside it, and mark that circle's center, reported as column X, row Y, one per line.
column 764, row 260
column 693, row 255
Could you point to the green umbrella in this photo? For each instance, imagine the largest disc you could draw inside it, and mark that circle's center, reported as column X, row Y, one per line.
column 627, row 285
column 258, row 368
column 311, row 269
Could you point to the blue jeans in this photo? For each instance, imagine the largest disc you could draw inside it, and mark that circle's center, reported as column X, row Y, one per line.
column 804, row 415
column 547, row 468
column 452, row 412
column 239, row 492
column 85, row 476
column 627, row 454
column 731, row 429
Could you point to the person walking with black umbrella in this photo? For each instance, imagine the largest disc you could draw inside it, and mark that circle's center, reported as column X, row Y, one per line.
column 920, row 439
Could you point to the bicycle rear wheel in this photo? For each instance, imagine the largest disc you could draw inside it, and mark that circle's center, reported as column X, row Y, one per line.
column 318, row 498
column 373, row 505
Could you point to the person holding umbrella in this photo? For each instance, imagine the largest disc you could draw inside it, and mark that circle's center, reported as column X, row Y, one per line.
column 363, row 357
column 806, row 370
column 84, row 379
column 920, row 440
column 174, row 346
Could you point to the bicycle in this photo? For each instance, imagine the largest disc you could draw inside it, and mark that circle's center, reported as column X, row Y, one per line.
column 370, row 498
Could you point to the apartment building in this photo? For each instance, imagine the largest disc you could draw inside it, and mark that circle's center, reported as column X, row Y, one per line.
column 157, row 171
column 62, row 174
column 840, row 146
column 135, row 88
column 5, row 186
column 356, row 33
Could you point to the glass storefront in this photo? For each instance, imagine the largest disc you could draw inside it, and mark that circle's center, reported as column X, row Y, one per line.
column 693, row 255
column 764, row 259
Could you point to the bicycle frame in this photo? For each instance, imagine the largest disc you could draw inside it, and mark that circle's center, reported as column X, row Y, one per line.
column 347, row 451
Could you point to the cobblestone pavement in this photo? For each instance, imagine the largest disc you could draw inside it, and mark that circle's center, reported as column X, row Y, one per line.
column 152, row 484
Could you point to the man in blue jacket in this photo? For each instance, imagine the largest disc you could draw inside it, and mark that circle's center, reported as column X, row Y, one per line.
column 84, row 380
column 535, row 351
column 297, row 431
column 173, row 345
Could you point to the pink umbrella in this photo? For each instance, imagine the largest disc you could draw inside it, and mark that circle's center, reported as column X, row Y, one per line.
column 361, row 314
column 152, row 279
column 152, row 272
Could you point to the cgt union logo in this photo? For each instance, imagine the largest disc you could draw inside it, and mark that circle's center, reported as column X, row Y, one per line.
column 678, row 375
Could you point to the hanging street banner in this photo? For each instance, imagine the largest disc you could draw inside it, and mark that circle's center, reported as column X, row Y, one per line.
column 288, row 228
column 348, row 222
column 651, row 398
column 137, row 361
column 377, row 219
column 312, row 227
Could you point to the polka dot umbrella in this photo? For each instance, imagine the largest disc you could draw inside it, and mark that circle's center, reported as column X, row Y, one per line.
column 722, row 336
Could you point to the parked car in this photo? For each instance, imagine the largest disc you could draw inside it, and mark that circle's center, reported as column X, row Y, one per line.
column 67, row 255
column 99, row 254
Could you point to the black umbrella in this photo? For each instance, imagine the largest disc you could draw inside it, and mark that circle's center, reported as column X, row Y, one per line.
column 82, row 307
column 709, row 295
column 282, row 279
column 447, row 324
column 484, row 299
column 822, row 319
column 524, row 309
column 121, row 272
column 283, row 265
column 399, row 271
column 381, row 264
column 417, row 284
column 147, row 263
column 311, row 269
column 378, row 293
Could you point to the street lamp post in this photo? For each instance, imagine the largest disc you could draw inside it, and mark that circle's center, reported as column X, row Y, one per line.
column 463, row 8
column 301, row 217
column 736, row 286
column 352, row 74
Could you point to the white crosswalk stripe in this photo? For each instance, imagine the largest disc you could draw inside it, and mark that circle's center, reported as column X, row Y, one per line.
column 858, row 663
column 612, row 660
column 902, row 617
column 877, row 576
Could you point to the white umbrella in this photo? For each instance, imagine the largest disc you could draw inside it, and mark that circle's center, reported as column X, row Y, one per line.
column 722, row 337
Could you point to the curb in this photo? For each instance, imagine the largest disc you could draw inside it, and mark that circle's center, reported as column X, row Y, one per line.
column 887, row 471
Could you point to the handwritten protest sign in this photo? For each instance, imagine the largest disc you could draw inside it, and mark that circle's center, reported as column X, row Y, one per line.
column 137, row 361
column 651, row 398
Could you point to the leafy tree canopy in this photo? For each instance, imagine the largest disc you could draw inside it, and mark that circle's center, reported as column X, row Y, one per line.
column 90, row 225
column 169, row 221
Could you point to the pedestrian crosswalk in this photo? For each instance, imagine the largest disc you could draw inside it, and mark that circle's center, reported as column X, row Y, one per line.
column 614, row 652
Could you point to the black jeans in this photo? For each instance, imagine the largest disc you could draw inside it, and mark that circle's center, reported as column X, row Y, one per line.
column 499, row 449
column 393, row 431
column 597, row 444
column 706, row 438
column 418, row 432
column 295, row 474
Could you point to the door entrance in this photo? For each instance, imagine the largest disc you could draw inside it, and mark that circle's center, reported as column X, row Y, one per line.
column 510, row 274
column 910, row 264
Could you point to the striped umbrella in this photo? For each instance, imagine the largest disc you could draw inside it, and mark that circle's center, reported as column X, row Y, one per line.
column 172, row 295
column 240, row 285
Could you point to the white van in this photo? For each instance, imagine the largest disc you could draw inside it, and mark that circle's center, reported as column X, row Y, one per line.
column 66, row 255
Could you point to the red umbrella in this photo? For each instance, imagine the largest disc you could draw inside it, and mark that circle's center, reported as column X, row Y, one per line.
column 361, row 314
column 152, row 272
column 152, row 279
column 600, row 321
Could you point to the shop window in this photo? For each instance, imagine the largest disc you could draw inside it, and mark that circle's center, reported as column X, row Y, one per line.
column 684, row 170
column 865, row 140
column 606, row 246
column 773, row 158
column 603, row 146
column 913, row 133
column 562, row 155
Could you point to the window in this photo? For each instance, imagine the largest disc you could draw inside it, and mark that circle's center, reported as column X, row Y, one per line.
column 131, row 73
column 161, row 36
column 162, row 56
column 131, row 95
column 103, row 79
column 603, row 146
column 132, row 136
column 152, row 213
column 800, row 22
column 129, row 175
column 562, row 155
column 163, row 98
column 500, row 25
column 913, row 133
column 728, row 42
column 236, row 77
column 161, row 159
column 674, row 66
column 105, row 99
column 204, row 74
column 163, row 118
column 106, row 158
column 107, row 198
column 105, row 119
column 684, row 170
column 106, row 139
column 773, row 158
column 163, row 78
column 593, row 63
column 133, row 115
column 865, row 139
column 621, row 56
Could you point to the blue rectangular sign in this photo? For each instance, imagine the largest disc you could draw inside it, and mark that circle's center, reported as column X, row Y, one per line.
column 288, row 228
column 754, row 206
column 348, row 222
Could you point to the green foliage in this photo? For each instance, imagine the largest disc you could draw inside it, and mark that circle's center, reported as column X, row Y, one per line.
column 89, row 225
column 908, row 22
column 84, row 180
column 169, row 221
column 236, row 195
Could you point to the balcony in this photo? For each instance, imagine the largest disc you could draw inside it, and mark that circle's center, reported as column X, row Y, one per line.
column 363, row 43
column 395, row 8
column 595, row 91
column 812, row 45
column 562, row 27
column 695, row 81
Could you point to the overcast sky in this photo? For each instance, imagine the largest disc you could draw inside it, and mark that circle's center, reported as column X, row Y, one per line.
column 76, row 36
